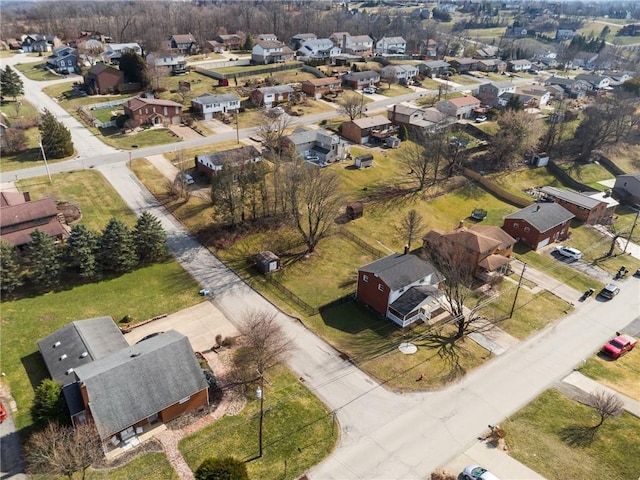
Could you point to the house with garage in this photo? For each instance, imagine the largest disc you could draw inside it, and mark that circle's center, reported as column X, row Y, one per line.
column 434, row 68
column 464, row 65
column 103, row 79
column 371, row 130
column 391, row 46
column 627, row 188
column 401, row 287
column 586, row 208
column 539, row 94
column 573, row 88
column 492, row 65
column 113, row 51
column 459, row 108
column 617, row 78
column 489, row 93
column 232, row 41
column 271, row 96
column 539, row 225
column 585, row 60
column 418, row 118
column 297, row 40
column 183, row 43
column 358, row 80
column 63, row 60
column 175, row 62
column 519, row 65
column 20, row 216
column 317, row 142
column 402, row 73
column 153, row 111
column 211, row 163
column 270, row 51
column 317, row 49
column 489, row 249
column 357, row 45
column 207, row 105
column 597, row 82
column 35, row 42
column 317, row 87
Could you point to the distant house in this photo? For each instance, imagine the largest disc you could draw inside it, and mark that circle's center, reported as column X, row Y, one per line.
column 270, row 51
column 231, row 41
column 297, row 40
column 488, row 248
column 367, row 130
column 358, row 80
column 429, row 48
column 63, row 60
column 39, row 43
column 585, row 60
column 358, row 45
column 490, row 92
column 585, row 207
column 464, row 65
column 153, row 111
column 316, row 87
column 539, row 224
column 617, row 78
column 317, row 49
column 270, row 96
column 519, row 65
column 20, row 216
column 208, row 104
column 434, row 68
column 492, row 65
column 565, row 34
column 516, row 32
column 403, row 73
column 428, row 119
column 403, row 288
column 540, row 95
column 321, row 143
column 572, row 87
column 102, row 79
column 113, row 51
column 211, row 163
column 183, row 43
column 176, row 63
column 459, row 108
column 596, row 82
column 391, row 45
column 627, row 188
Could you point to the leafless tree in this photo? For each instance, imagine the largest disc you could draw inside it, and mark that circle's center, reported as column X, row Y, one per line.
column 424, row 156
column 352, row 104
column 606, row 404
column 391, row 78
column 519, row 134
column 556, row 126
column 411, row 227
column 62, row 450
column 272, row 130
column 157, row 74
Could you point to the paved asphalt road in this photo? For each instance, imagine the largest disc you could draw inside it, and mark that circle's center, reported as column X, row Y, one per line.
column 386, row 435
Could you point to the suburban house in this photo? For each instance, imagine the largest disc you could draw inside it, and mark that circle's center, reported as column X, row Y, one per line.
column 316, row 87
column 565, row 34
column 358, row 80
column 176, row 63
column 490, row 92
column 540, row 95
column 20, row 216
column 63, row 60
column 586, row 60
column 429, row 119
column 297, row 40
column 539, row 224
column 318, row 48
column 102, row 375
column 627, row 188
column 597, row 82
column 402, row 287
column 403, row 73
column 211, row 163
column 464, row 65
column 270, row 96
column 153, row 111
column 113, row 51
column 572, row 87
column 527, row 100
column 270, row 51
column 434, row 68
column 209, row 104
column 617, row 78
column 359, row 45
column 321, row 143
column 39, row 43
column 231, row 41
column 459, row 107
column 102, row 79
column 429, row 48
column 368, row 129
column 488, row 248
column 585, row 207
column 492, row 65
column 516, row 32
column 487, row 52
column 519, row 65
column 183, row 43
column 391, row 46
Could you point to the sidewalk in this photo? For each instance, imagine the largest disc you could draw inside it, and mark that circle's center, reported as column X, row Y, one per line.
column 590, row 386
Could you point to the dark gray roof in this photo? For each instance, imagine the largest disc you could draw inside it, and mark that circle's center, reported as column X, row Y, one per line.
column 576, row 198
column 436, row 64
column 211, row 98
column 97, row 337
column 399, row 270
column 413, row 298
column 276, row 89
column 134, row 383
column 543, row 216
column 361, row 75
column 235, row 156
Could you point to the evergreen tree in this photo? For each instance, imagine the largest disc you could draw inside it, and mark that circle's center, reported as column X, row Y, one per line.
column 10, row 268
column 227, row 468
column 150, row 239
column 49, row 404
column 135, row 69
column 44, row 260
column 248, row 43
column 10, row 83
column 515, row 103
column 403, row 134
column 56, row 138
column 82, row 250
column 117, row 250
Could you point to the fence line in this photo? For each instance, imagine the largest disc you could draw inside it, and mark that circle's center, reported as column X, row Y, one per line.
column 566, row 179
column 496, row 190
column 292, row 296
column 103, row 105
column 361, row 243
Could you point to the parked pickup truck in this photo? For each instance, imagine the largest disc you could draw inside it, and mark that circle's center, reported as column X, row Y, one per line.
column 619, row 346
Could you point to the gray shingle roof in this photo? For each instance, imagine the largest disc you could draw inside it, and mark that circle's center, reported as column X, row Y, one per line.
column 399, row 270
column 209, row 98
column 543, row 216
column 235, row 156
column 276, row 89
column 576, row 198
column 134, row 383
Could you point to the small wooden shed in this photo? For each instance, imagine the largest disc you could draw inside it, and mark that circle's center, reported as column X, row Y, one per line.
column 392, row 142
column 267, row 262
column 355, row 210
column 363, row 161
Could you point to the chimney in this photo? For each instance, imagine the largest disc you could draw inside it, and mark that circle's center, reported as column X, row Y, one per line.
column 406, row 249
column 344, row 43
column 27, row 196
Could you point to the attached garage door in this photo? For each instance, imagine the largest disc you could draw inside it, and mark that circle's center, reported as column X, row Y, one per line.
column 543, row 243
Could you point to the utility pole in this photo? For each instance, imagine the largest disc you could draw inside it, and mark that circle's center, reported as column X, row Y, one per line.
column 635, row 222
column 237, row 127
column 46, row 165
column 513, row 307
column 260, row 395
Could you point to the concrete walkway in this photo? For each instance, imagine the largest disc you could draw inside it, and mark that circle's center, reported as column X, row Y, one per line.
column 546, row 282
column 590, row 386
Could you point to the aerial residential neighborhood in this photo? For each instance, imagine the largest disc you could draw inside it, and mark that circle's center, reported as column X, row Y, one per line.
column 320, row 240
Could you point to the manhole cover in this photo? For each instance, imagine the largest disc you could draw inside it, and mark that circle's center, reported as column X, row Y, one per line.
column 407, row 348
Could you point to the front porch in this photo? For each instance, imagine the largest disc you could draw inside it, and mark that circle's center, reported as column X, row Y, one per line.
column 130, row 438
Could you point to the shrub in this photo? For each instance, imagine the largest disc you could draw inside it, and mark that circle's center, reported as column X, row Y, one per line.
column 49, row 404
column 227, row 468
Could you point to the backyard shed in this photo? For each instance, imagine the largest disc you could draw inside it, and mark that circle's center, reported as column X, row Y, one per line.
column 355, row 210
column 364, row 161
column 392, row 142
column 267, row 262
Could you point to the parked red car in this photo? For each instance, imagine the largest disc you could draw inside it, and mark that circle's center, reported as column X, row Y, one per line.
column 3, row 412
column 619, row 346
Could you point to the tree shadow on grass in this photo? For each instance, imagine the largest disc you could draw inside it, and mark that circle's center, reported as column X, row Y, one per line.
column 578, row 435
column 35, row 368
column 448, row 349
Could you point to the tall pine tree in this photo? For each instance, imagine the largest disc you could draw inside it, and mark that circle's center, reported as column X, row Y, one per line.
column 10, row 83
column 44, row 260
column 56, row 138
column 150, row 239
column 117, row 250
column 134, row 68
column 10, row 268
column 82, row 250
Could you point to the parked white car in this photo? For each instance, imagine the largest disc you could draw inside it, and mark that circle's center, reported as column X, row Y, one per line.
column 570, row 252
column 475, row 472
column 368, row 90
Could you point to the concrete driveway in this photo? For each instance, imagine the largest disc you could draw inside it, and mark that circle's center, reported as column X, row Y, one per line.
column 201, row 323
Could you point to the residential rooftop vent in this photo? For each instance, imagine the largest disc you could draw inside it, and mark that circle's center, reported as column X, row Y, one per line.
column 57, row 344
column 135, row 354
column 83, row 354
column 63, row 356
column 69, row 372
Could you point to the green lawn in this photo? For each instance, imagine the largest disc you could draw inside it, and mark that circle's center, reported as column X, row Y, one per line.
column 36, row 71
column 535, row 437
column 153, row 466
column 516, row 181
column 252, row 68
column 463, row 80
column 298, row 432
column 395, row 91
column 146, row 138
column 621, row 374
column 589, row 174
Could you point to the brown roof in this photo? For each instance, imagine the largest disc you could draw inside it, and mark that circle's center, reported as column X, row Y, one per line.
column 11, row 198
column 184, row 38
column 98, row 68
column 464, row 101
column 480, row 239
column 494, row 262
column 22, row 237
column 28, row 212
column 319, row 82
column 139, row 102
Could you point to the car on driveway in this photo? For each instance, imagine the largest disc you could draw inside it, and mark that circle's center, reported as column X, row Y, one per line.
column 570, row 252
column 476, row 472
column 481, row 118
column 619, row 346
column 368, row 90
column 609, row 291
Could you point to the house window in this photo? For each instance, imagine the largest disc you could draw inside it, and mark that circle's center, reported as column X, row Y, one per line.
column 381, row 287
column 365, row 278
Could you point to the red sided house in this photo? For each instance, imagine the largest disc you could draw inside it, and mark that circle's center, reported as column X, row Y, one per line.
column 102, row 79
column 19, row 216
column 368, row 129
column 153, row 111
column 590, row 208
column 539, row 224
column 316, row 87
column 402, row 287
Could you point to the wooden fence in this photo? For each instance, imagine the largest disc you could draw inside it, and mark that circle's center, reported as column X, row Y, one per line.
column 566, row 179
column 499, row 192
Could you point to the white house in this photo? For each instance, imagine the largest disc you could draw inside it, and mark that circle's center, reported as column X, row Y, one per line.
column 403, row 73
column 113, row 51
column 318, row 48
column 391, row 45
column 361, row 45
column 519, row 65
column 597, row 82
column 270, row 51
column 177, row 63
column 206, row 105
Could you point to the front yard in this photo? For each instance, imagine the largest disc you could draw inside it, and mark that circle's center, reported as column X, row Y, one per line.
column 37, row 71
